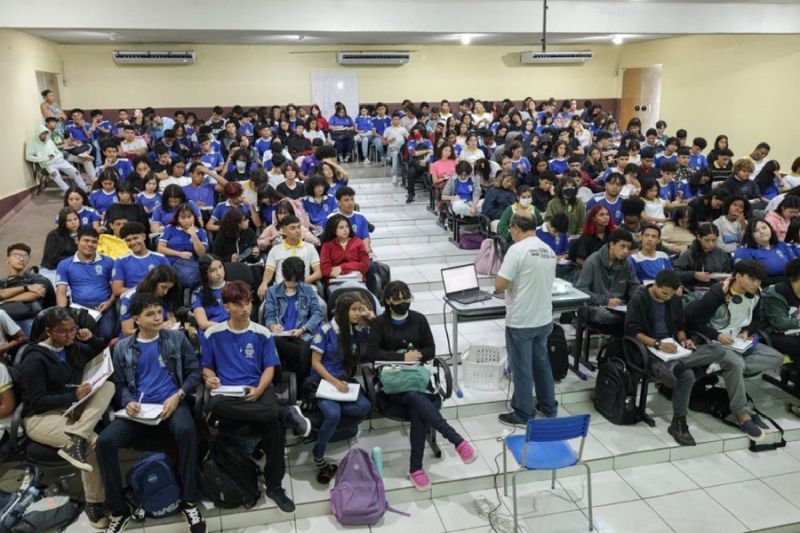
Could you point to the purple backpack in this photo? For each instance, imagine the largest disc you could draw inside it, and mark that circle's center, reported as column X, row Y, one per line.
column 358, row 497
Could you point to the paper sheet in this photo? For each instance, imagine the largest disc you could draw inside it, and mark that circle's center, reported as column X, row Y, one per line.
column 329, row 392
column 664, row 356
column 149, row 414
column 94, row 313
column 97, row 371
column 236, row 391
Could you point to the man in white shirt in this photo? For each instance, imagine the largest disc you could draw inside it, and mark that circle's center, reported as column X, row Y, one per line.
column 394, row 137
column 292, row 246
column 526, row 275
column 131, row 145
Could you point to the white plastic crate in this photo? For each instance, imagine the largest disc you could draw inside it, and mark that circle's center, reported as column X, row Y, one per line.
column 482, row 367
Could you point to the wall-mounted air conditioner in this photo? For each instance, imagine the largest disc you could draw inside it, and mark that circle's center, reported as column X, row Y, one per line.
column 143, row 57
column 579, row 56
column 372, row 58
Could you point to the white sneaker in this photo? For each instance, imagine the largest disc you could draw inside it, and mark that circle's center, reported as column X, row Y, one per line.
column 395, row 180
column 366, row 162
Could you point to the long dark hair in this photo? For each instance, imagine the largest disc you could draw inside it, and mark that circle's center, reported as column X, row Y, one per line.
column 342, row 316
column 206, row 292
column 171, row 191
column 52, row 318
column 61, row 228
column 750, row 242
column 696, row 252
column 682, row 212
column 162, row 274
column 75, row 189
column 766, row 177
column 229, row 225
column 332, row 224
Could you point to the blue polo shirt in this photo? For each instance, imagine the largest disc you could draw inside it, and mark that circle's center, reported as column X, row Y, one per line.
column 131, row 269
column 164, row 216
column 223, row 207
column 358, row 221
column 150, row 203
column 364, row 123
column 344, row 121
column 152, row 376
column 646, row 268
column 177, row 239
column 89, row 283
column 668, row 192
column 79, row 133
column 661, row 159
column 125, row 307
column 102, row 200
column 464, row 189
column 87, row 215
column 614, row 208
column 559, row 244
column 326, row 342
column 381, row 123
column 559, row 166
column 318, row 212
column 212, row 160
column 262, row 146
column 106, row 125
column 203, row 193
column 215, row 312
column 122, row 166
column 774, row 259
column 239, row 357
column 698, row 161
column 245, row 129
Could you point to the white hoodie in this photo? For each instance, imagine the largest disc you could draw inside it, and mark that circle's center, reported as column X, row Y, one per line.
column 43, row 152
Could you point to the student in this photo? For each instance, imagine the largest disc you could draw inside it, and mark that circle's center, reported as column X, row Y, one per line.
column 236, row 241
column 239, row 352
column 780, row 219
column 346, row 200
column 293, row 306
column 759, row 157
column 648, row 261
column 394, row 137
column 464, row 192
column 732, row 222
column 60, row 243
column 132, row 268
column 669, row 154
column 104, row 191
column 292, row 246
column 42, row 151
column 291, row 188
column 656, row 313
column 729, row 310
column 708, row 208
column 110, row 243
column 499, row 197
column 622, row 160
column 721, row 167
column 610, row 198
column 149, row 198
column 667, row 188
column 164, row 213
column 554, row 234
column 679, row 233
column 544, row 192
column 155, row 365
column 203, row 187
column 609, row 279
column 131, row 145
column 88, row 276
column 740, row 183
column 77, row 200
column 696, row 157
column 632, row 212
column 112, row 160
column 161, row 281
column 702, row 258
column 779, row 307
column 274, row 232
column 419, row 150
column 597, row 228
column 335, row 358
column 379, row 124
column 206, row 301
column 343, row 252
column 49, row 371
column 342, row 130
column 234, row 193
column 524, row 202
column 567, row 201
column 364, row 130
column 760, row 243
column 653, row 204
column 184, row 242
column 126, row 206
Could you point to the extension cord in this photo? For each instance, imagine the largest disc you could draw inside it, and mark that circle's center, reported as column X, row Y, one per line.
column 501, row 523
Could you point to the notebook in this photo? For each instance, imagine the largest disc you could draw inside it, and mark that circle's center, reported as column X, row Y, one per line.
column 235, row 391
column 664, row 356
column 149, row 414
column 328, row 392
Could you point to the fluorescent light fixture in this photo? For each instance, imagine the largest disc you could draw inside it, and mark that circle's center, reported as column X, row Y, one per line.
column 617, row 39
column 466, row 39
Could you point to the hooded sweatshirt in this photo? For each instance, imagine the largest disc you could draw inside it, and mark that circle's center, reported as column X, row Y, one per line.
column 41, row 152
column 602, row 281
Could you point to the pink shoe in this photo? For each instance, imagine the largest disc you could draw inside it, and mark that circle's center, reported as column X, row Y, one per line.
column 420, row 480
column 466, row 452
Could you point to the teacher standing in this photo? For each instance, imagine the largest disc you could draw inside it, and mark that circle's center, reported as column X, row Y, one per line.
column 527, row 274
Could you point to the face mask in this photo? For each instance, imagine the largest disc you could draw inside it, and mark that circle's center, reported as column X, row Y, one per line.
column 525, row 202
column 418, row 136
column 241, row 166
column 401, row 308
column 569, row 193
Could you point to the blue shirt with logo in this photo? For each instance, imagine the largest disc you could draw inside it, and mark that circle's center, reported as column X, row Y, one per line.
column 165, row 216
column 215, row 312
column 150, row 203
column 122, row 166
column 152, row 377
column 318, row 212
column 177, row 239
column 89, row 283
column 131, row 269
column 464, row 189
column 614, row 208
column 381, row 123
column 239, row 357
column 223, row 207
column 559, row 244
column 102, row 200
column 358, row 221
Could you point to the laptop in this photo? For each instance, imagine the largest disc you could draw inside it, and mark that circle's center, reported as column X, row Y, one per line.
column 461, row 285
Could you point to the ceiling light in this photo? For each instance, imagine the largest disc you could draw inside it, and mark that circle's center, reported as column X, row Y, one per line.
column 466, row 39
column 617, row 39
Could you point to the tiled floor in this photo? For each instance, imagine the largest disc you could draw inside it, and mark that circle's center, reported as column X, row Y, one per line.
column 642, row 481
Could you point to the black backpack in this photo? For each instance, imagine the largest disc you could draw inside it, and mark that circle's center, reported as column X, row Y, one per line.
column 559, row 352
column 615, row 391
column 228, row 477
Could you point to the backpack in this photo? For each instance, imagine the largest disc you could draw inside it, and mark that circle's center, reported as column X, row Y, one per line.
column 614, row 392
column 358, row 497
column 16, row 503
column 470, row 241
column 559, row 352
column 49, row 513
column 487, row 262
column 154, row 487
column 228, row 477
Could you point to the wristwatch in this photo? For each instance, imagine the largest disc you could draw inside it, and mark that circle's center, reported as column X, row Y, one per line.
column 657, row 345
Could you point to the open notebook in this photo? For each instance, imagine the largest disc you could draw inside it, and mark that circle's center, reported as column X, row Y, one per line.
column 664, row 356
column 149, row 414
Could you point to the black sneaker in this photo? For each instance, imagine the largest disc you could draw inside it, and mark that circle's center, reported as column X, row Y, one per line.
column 193, row 518
column 118, row 523
column 759, row 421
column 679, row 430
column 751, row 429
column 75, row 454
column 409, row 199
column 326, row 473
column 278, row 495
column 293, row 418
column 511, row 419
column 663, row 373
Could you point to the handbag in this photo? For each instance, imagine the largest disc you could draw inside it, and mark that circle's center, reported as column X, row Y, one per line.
column 397, row 379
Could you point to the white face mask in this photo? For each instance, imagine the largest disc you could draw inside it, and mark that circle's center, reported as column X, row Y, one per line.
column 241, row 166
column 525, row 202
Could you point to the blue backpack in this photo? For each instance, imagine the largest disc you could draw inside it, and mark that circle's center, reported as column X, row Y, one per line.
column 154, row 487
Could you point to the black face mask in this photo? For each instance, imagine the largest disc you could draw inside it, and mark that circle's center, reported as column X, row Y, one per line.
column 569, row 193
column 401, row 308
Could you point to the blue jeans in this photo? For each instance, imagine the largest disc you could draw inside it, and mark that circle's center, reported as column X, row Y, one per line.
column 333, row 412
column 377, row 142
column 394, row 155
column 423, row 415
column 530, row 364
column 188, row 272
column 108, row 325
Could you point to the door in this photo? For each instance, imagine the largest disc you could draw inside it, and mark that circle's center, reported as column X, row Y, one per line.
column 48, row 80
column 641, row 96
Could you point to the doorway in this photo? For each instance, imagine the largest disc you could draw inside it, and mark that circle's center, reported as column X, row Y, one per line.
column 641, row 96
column 48, row 80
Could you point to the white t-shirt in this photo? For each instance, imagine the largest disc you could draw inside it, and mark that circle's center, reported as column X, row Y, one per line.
column 280, row 252
column 399, row 134
column 8, row 328
column 5, row 384
column 530, row 266
column 172, row 180
column 655, row 208
column 137, row 144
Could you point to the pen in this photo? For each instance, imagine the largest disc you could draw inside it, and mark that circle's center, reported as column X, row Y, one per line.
column 141, row 397
column 71, row 386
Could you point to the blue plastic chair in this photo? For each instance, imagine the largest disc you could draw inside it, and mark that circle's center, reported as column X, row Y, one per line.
column 545, row 446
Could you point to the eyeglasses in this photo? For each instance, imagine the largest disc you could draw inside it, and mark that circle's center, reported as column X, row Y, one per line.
column 19, row 255
column 65, row 332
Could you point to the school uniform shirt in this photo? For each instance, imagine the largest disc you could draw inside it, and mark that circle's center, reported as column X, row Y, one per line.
column 359, row 223
column 730, row 234
column 239, row 357
column 125, row 302
column 215, row 312
column 698, row 161
column 559, row 244
column 380, row 124
column 280, row 252
column 165, row 216
column 262, row 146
column 337, row 121
column 559, row 166
column 223, row 207
column 121, row 165
column 318, row 212
column 289, row 318
column 212, row 159
column 202, row 195
column 79, row 133
column 326, row 342
column 308, row 165
column 245, row 129
column 464, row 189
column 774, row 259
column 614, row 208
column 522, row 166
column 153, row 380
column 660, row 159
column 130, row 269
column 89, row 282
column 102, row 200
column 646, row 267
column 363, row 124
column 88, row 217
column 177, row 239
column 148, row 202
column 668, row 192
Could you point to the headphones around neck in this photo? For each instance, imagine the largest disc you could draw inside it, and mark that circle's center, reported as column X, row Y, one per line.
column 737, row 298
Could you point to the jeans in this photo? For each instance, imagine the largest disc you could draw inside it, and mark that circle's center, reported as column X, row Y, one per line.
column 108, row 325
column 530, row 365
column 424, row 414
column 365, row 139
column 393, row 153
column 295, row 355
column 377, row 143
column 188, row 272
column 123, row 433
column 333, row 412
column 344, row 145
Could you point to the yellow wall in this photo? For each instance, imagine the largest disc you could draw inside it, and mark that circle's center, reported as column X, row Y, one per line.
column 21, row 55
column 257, row 75
column 742, row 86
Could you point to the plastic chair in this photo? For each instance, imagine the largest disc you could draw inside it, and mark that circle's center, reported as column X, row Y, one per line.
column 545, row 446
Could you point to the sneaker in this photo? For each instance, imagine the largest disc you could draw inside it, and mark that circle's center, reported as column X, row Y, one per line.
column 86, row 156
column 751, row 429
column 511, row 419
column 366, row 162
column 294, row 419
column 395, row 180
column 759, row 421
column 409, row 199
column 278, row 495
column 466, row 452
column 420, row 480
column 97, row 515
column 118, row 523
column 193, row 517
column 75, row 454
column 663, row 373
column 679, row 430
column 326, row 473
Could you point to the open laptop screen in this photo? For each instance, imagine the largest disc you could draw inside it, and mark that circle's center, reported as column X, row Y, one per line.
column 460, row 278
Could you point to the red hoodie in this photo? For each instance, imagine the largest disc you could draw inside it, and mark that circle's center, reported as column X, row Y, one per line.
column 353, row 257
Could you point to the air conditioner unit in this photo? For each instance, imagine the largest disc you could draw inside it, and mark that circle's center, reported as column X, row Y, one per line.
column 372, row 58
column 143, row 57
column 579, row 56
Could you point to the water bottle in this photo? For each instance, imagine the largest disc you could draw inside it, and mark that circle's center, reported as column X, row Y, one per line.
column 377, row 458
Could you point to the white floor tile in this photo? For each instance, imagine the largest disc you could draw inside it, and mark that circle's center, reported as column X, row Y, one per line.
column 568, row 522
column 717, row 469
column 607, row 488
column 424, row 517
column 687, row 512
column 483, row 426
column 626, row 439
column 280, row 527
column 656, row 480
column 323, row 524
column 766, row 464
column 537, row 499
column 755, row 504
column 786, row 484
column 459, row 511
column 627, row 517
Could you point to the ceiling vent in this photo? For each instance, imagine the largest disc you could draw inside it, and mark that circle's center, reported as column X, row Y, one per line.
column 141, row 57
column 372, row 58
column 580, row 56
